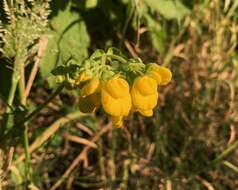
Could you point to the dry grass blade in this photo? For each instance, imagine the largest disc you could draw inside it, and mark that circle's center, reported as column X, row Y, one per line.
column 5, row 162
column 205, row 183
column 231, row 166
column 49, row 132
column 80, row 157
column 42, row 46
column 79, row 140
column 70, row 183
column 232, row 134
column 168, row 185
column 84, row 128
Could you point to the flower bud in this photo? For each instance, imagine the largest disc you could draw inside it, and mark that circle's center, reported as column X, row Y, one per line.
column 161, row 74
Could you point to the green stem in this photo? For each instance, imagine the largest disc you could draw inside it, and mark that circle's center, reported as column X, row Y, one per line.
column 112, row 154
column 227, row 151
column 169, row 55
column 14, row 82
column 32, row 114
column 28, row 173
column 19, row 63
column 11, row 94
column 128, row 18
column 231, row 166
column 39, row 108
column 22, row 83
column 5, row 103
column 118, row 58
column 101, row 160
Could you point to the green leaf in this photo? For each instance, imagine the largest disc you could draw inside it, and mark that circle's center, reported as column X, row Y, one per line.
column 69, row 39
column 170, row 9
column 156, row 33
column 51, row 56
column 73, row 36
column 91, row 4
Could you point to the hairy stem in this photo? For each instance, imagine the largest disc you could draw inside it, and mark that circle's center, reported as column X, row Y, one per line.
column 22, row 83
column 11, row 96
column 19, row 63
column 12, row 93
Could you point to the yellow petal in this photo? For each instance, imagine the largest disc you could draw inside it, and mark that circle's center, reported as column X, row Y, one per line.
column 117, row 121
column 143, row 102
column 164, row 72
column 146, row 113
column 145, row 85
column 89, row 88
column 155, row 75
column 117, row 87
column 115, row 106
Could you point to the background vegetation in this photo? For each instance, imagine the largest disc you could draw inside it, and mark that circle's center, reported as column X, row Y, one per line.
column 190, row 142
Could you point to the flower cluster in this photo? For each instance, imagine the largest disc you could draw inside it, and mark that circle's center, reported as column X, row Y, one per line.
column 119, row 85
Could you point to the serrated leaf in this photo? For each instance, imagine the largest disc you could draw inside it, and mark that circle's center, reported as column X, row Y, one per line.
column 170, row 9
column 73, row 37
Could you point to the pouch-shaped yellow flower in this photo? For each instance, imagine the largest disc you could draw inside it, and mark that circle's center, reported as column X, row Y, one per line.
column 144, row 95
column 90, row 87
column 89, row 103
column 116, row 99
column 161, row 74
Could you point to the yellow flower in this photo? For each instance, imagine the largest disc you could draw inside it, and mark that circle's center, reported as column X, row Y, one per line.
column 144, row 95
column 116, row 99
column 155, row 75
column 89, row 103
column 161, row 74
column 90, row 97
column 90, row 87
column 117, row 120
column 83, row 76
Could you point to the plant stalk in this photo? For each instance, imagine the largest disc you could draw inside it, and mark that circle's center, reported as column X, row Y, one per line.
column 118, row 58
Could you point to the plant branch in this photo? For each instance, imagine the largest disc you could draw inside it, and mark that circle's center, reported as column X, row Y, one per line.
column 48, row 133
column 42, row 46
column 80, row 157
